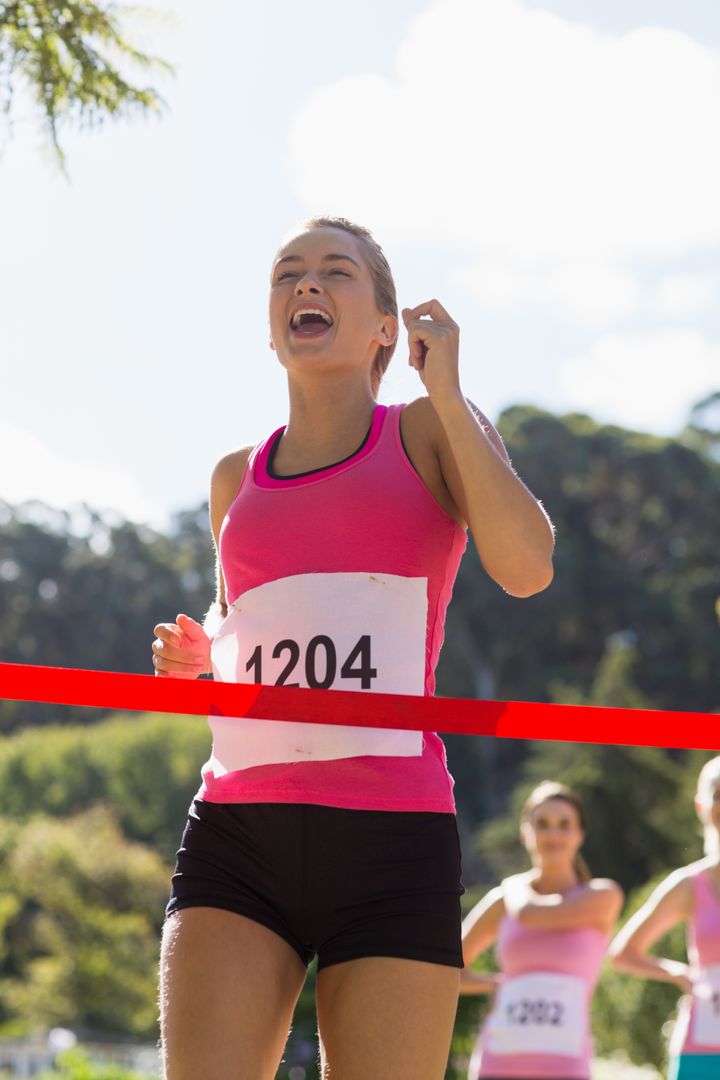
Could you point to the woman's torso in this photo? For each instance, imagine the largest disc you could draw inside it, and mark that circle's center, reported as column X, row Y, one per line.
column 539, row 1024
column 697, row 1030
column 345, row 572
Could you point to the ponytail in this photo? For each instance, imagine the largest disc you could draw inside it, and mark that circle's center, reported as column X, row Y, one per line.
column 582, row 869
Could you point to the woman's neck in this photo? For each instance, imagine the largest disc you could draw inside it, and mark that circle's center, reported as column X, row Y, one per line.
column 553, row 879
column 327, row 422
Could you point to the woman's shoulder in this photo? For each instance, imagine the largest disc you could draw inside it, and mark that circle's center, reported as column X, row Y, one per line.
column 419, row 419
column 225, row 483
column 676, row 888
column 231, row 466
column 490, row 907
column 495, row 897
column 422, row 412
column 605, row 885
column 612, row 895
column 688, row 874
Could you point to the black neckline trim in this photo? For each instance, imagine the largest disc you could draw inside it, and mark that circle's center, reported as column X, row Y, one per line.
column 297, row 476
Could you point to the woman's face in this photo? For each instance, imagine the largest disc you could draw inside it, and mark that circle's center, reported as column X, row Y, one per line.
column 552, row 835
column 323, row 313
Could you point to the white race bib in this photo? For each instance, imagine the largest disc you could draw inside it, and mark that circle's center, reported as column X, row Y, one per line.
column 541, row 1013
column 706, row 1008
column 345, row 631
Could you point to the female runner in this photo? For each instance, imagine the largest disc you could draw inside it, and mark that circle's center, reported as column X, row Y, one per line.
column 690, row 895
column 338, row 541
column 552, row 926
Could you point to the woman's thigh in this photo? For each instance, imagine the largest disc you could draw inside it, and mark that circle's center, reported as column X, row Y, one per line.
column 228, row 987
column 387, row 1019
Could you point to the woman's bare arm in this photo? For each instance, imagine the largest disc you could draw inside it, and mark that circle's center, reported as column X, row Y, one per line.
column 512, row 533
column 668, row 905
column 181, row 650
column 598, row 904
column 224, row 484
column 479, row 931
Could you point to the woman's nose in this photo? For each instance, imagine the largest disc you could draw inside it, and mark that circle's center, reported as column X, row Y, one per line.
column 307, row 285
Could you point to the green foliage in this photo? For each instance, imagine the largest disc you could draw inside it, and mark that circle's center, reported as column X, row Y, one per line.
column 74, row 1065
column 632, row 614
column 81, row 936
column 637, row 793
column 145, row 768
column 72, row 57
column 703, row 430
column 632, row 1013
column 88, row 593
column 630, row 620
column 471, row 1012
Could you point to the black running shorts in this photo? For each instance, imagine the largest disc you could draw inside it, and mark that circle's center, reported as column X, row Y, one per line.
column 338, row 883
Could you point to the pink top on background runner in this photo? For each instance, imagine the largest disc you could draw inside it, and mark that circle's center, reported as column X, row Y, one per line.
column 697, row 1030
column 548, row 980
column 339, row 578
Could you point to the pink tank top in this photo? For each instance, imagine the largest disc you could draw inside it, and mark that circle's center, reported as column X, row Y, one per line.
column 697, row 1030
column 336, row 579
column 539, row 1023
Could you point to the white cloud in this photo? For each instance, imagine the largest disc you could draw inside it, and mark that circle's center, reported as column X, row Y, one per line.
column 687, row 294
column 531, row 141
column 34, row 471
column 643, row 381
column 589, row 292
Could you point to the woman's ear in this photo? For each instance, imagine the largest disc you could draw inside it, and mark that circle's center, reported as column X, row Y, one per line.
column 272, row 344
column 388, row 331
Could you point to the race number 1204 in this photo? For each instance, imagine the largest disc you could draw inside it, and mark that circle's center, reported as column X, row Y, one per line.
column 319, row 660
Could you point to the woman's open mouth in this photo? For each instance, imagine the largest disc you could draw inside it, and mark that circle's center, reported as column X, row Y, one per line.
column 310, row 322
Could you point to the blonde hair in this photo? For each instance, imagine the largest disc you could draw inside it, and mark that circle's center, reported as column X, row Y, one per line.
column 385, row 293
column 707, row 781
column 544, row 792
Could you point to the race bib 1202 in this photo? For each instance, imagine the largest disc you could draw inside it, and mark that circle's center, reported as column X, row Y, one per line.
column 540, row 1013
column 342, row 631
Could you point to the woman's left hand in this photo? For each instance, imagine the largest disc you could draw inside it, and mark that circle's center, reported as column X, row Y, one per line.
column 434, row 347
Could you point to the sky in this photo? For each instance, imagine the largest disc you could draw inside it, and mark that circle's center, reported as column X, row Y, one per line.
column 548, row 169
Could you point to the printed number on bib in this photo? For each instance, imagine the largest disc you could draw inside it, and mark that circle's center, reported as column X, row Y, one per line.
column 706, row 1008
column 344, row 631
column 321, row 655
column 542, row 1013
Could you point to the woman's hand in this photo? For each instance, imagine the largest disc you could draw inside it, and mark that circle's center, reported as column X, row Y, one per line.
column 181, row 650
column 434, row 348
column 679, row 975
column 479, row 982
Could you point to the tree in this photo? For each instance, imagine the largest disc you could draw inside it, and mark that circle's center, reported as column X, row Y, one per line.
column 74, row 1065
column 82, row 909
column 635, row 564
column 144, row 768
column 72, row 56
column 630, row 1013
column 703, row 429
column 91, row 600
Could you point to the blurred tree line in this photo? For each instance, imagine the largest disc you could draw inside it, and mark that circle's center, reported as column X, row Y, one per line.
column 88, row 833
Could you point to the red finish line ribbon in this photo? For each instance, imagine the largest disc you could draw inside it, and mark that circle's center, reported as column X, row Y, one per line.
column 458, row 716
